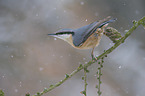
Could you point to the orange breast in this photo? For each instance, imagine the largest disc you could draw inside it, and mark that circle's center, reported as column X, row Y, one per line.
column 91, row 42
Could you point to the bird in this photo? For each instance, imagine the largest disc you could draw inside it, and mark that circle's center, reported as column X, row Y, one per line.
column 86, row 37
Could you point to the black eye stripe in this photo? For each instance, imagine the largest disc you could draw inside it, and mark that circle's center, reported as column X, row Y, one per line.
column 59, row 33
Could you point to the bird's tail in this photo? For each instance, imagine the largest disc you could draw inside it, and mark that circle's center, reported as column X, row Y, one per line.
column 108, row 21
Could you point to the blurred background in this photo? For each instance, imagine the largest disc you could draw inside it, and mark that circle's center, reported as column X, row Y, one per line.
column 31, row 61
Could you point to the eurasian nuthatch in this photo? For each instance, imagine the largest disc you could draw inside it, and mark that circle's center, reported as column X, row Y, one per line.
column 85, row 37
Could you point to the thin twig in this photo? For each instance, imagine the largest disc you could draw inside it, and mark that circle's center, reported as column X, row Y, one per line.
column 99, row 73
column 85, row 81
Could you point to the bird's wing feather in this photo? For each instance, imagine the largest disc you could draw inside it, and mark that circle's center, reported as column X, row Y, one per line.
column 82, row 34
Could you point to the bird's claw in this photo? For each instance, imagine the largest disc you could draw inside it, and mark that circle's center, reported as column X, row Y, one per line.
column 94, row 58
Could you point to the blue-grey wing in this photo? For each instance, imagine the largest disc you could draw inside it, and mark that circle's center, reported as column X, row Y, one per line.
column 82, row 34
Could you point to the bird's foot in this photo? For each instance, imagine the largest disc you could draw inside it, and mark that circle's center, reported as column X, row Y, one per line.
column 94, row 58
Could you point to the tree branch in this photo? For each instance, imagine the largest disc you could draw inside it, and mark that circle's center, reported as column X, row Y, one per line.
column 120, row 41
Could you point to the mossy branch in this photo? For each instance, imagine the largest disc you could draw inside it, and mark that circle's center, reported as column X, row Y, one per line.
column 2, row 93
column 120, row 41
column 99, row 74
